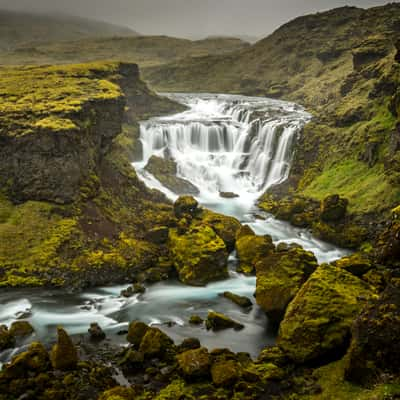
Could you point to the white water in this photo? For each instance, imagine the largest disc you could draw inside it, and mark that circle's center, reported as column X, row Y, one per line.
column 219, row 144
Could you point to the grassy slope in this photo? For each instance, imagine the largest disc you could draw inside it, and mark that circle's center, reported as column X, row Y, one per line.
column 17, row 29
column 310, row 60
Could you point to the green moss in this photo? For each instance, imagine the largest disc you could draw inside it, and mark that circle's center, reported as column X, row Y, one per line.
column 55, row 124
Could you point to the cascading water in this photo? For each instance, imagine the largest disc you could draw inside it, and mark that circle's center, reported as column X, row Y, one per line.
column 227, row 143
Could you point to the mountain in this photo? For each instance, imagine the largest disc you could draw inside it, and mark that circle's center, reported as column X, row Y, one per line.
column 18, row 28
column 341, row 65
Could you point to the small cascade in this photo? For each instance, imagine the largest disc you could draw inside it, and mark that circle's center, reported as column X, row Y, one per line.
column 227, row 143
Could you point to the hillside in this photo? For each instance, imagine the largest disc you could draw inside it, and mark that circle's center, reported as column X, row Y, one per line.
column 17, row 29
column 144, row 50
column 341, row 65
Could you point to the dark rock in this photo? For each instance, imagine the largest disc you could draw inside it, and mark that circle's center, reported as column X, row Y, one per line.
column 158, row 235
column 217, row 322
column 96, row 333
column 7, row 341
column 185, row 205
column 228, row 195
column 136, row 288
column 397, row 56
column 333, row 208
column 133, row 359
column 195, row 320
column 241, row 301
column 136, row 332
column 64, row 355
column 189, row 344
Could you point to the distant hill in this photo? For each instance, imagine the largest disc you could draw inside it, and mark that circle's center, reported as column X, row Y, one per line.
column 17, row 28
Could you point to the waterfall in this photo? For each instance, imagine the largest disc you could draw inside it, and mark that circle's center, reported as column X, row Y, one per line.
column 227, row 143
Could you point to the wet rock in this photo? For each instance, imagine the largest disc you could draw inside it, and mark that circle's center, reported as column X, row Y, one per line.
column 251, row 249
column 199, row 255
column 64, row 355
column 194, row 363
column 279, row 278
column 225, row 373
column 318, row 320
column 21, row 329
column 158, row 235
column 7, row 341
column 375, row 347
column 96, row 333
column 155, row 343
column 218, row 321
column 165, row 171
column 241, row 301
column 189, row 344
column 195, row 320
column 228, row 195
column 136, row 288
column 136, row 332
column 333, row 208
column 185, row 205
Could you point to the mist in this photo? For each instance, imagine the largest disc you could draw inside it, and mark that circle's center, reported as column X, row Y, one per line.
column 188, row 18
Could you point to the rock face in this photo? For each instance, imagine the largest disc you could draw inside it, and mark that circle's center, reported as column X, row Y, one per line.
column 217, row 322
column 333, row 208
column 279, row 278
column 64, row 355
column 375, row 347
column 319, row 318
column 165, row 171
column 195, row 363
column 199, row 255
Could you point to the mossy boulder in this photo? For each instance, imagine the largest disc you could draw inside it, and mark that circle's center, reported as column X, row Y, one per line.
column 189, row 344
column 218, row 321
column 155, row 343
column 21, row 329
column 194, row 363
column 185, row 206
column 199, row 255
column 251, row 249
column 224, row 226
column 196, row 320
column 64, row 355
column 357, row 264
column 244, row 230
column 119, row 393
column 333, row 208
column 241, row 301
column 318, row 320
column 34, row 360
column 96, row 334
column 375, row 346
column 7, row 340
column 225, row 373
column 279, row 278
column 136, row 332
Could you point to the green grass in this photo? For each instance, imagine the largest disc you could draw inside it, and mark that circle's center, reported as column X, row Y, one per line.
column 367, row 189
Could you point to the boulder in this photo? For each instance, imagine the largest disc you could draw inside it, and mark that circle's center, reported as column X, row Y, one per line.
column 21, row 329
column 136, row 332
column 375, row 346
column 64, row 355
column 158, row 235
column 119, row 393
column 199, row 255
column 189, row 344
column 357, row 264
column 96, row 333
column 251, row 249
column 217, row 322
column 185, row 205
column 225, row 373
column 130, row 291
column 333, row 208
column 224, row 226
column 195, row 320
column 194, row 363
column 318, row 320
column 241, row 301
column 228, row 195
column 165, row 170
column 7, row 340
column 279, row 278
column 155, row 343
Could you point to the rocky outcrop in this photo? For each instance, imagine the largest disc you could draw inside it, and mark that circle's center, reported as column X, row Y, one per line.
column 64, row 355
column 217, row 322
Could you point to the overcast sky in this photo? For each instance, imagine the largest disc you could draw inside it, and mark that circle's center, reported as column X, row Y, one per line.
column 189, row 18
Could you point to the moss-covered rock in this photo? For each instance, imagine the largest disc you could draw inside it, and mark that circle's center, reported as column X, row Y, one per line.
column 224, row 226
column 218, row 321
column 21, row 329
column 7, row 340
column 195, row 320
column 388, row 249
column 375, row 348
column 64, row 355
column 333, row 208
column 189, row 344
column 155, row 343
column 357, row 264
column 251, row 249
column 318, row 320
column 241, row 301
column 136, row 332
column 119, row 393
column 194, row 363
column 199, row 255
column 279, row 278
column 185, row 206
column 225, row 373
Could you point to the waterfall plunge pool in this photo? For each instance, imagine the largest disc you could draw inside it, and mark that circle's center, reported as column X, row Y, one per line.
column 222, row 143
